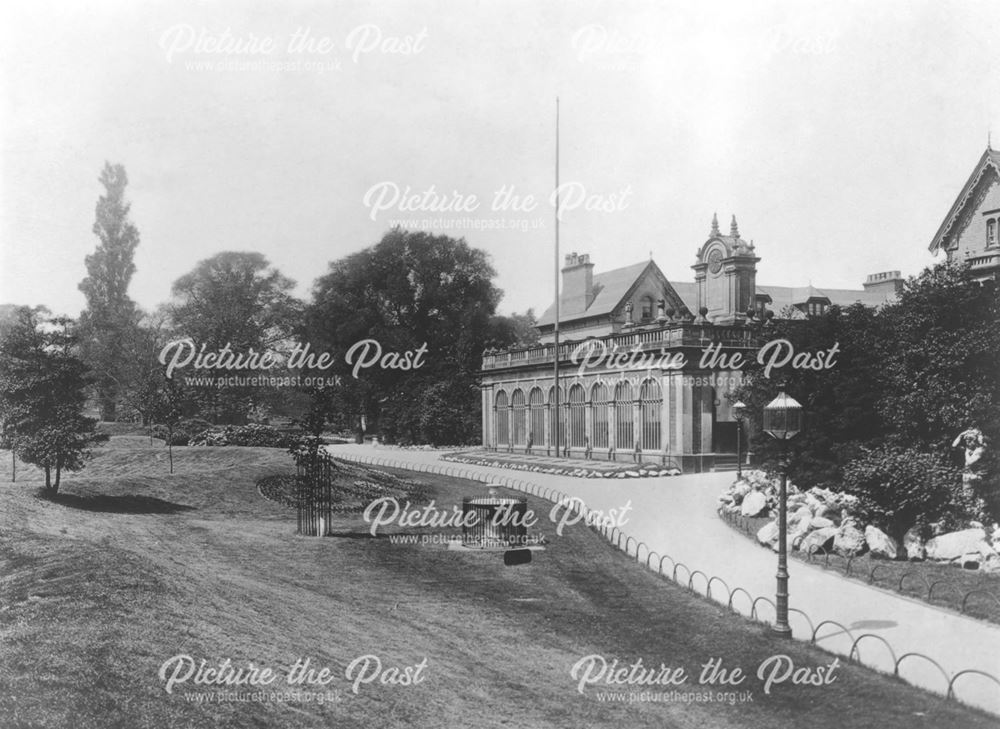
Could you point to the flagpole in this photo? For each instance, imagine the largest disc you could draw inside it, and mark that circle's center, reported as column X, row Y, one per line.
column 555, row 436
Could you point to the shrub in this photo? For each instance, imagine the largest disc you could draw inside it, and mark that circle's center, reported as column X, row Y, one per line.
column 262, row 436
column 181, row 437
column 901, row 487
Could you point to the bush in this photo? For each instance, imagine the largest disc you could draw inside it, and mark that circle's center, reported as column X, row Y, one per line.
column 180, row 436
column 262, row 436
column 902, row 487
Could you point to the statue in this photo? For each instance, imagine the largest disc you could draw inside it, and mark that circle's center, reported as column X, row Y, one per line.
column 628, row 313
column 974, row 443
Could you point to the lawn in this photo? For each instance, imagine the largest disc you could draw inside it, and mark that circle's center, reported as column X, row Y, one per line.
column 133, row 566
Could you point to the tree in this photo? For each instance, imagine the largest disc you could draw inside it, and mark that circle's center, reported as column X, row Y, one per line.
column 516, row 330
column 237, row 299
column 42, row 394
column 110, row 314
column 411, row 290
column 840, row 403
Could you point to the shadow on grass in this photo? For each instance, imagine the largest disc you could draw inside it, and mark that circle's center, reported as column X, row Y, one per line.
column 128, row 504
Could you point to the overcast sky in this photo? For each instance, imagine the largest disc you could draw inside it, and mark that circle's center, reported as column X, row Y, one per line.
column 839, row 133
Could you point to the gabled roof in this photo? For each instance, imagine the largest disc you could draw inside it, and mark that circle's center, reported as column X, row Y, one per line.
column 989, row 160
column 610, row 286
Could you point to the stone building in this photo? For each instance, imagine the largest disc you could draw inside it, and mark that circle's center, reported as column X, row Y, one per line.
column 970, row 231
column 624, row 393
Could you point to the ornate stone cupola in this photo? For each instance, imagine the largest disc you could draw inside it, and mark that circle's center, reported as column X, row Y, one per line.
column 725, row 273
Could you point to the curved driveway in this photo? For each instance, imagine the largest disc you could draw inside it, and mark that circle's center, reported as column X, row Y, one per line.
column 676, row 516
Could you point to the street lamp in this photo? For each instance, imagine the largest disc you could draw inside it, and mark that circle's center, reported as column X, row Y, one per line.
column 738, row 409
column 783, row 421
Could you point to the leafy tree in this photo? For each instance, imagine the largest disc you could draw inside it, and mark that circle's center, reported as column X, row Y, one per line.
column 42, row 394
column 110, row 315
column 516, row 330
column 901, row 487
column 412, row 289
column 840, row 403
column 939, row 355
column 238, row 299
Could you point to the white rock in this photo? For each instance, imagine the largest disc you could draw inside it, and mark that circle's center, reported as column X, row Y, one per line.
column 753, row 504
column 954, row 545
column 820, row 522
column 820, row 540
column 800, row 516
column 768, row 534
column 849, row 541
column 880, row 544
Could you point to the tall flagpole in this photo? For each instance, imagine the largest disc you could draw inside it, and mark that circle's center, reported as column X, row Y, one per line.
column 555, row 436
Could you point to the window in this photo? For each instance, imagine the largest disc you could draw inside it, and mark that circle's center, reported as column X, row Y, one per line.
column 577, row 417
column 520, row 417
column 647, row 307
column 991, row 232
column 623, row 417
column 599, row 417
column 536, row 407
column 650, row 401
column 501, row 422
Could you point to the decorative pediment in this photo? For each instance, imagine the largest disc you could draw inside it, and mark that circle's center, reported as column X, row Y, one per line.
column 985, row 173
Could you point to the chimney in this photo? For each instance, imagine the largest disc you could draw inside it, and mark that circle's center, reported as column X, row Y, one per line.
column 889, row 283
column 577, row 283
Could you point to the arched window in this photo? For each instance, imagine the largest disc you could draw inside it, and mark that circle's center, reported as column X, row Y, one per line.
column 536, row 408
column 650, row 401
column 599, row 416
column 561, row 439
column 623, row 417
column 991, row 232
column 500, row 415
column 520, row 417
column 577, row 417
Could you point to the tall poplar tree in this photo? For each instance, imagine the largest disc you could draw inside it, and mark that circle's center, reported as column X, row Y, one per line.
column 110, row 315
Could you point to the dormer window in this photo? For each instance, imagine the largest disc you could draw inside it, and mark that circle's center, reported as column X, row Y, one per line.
column 647, row 307
column 816, row 308
column 991, row 232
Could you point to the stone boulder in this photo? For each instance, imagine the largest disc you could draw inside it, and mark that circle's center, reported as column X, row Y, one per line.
column 754, row 503
column 957, row 545
column 820, row 522
column 768, row 535
column 799, row 519
column 820, row 540
column 849, row 541
column 880, row 544
column 913, row 545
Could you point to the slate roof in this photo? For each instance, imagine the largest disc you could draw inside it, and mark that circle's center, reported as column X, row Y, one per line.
column 991, row 157
column 782, row 296
column 611, row 287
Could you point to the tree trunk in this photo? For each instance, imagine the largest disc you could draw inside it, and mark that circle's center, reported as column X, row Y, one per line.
column 108, row 410
column 48, row 481
column 13, row 464
column 170, row 449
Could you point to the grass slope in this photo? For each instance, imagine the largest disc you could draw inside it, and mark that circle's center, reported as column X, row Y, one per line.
column 133, row 566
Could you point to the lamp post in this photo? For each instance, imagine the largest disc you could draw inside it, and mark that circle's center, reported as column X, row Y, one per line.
column 783, row 421
column 738, row 409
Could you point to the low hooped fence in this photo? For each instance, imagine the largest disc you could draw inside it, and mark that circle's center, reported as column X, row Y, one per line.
column 685, row 576
column 929, row 590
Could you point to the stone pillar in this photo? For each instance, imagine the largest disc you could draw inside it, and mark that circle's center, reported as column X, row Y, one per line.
column 487, row 411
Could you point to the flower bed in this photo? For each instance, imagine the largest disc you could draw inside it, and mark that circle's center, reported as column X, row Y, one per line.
column 636, row 470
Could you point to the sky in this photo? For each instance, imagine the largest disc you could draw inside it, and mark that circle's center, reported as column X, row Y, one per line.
column 839, row 134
